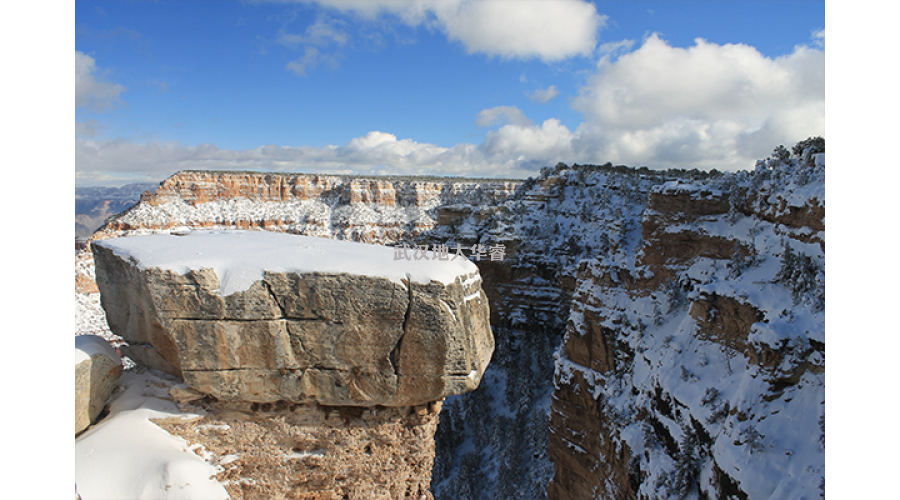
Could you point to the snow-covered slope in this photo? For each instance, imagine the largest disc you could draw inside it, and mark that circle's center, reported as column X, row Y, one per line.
column 695, row 367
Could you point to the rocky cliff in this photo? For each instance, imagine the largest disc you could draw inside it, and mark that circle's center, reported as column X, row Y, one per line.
column 694, row 367
column 660, row 282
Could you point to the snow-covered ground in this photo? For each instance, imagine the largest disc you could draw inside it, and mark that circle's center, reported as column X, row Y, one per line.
column 127, row 457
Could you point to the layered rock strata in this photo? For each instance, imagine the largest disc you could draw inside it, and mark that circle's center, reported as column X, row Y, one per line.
column 368, row 210
column 267, row 317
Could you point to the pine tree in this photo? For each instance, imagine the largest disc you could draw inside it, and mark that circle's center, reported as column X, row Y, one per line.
column 604, row 245
column 781, row 154
column 802, row 275
column 684, row 479
column 813, row 144
column 753, row 439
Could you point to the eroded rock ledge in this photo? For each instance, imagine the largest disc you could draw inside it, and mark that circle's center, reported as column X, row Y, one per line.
column 264, row 317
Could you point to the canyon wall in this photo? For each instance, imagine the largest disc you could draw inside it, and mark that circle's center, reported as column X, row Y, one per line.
column 682, row 341
column 694, row 367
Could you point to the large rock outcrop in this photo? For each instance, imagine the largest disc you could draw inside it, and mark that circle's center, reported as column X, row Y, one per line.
column 264, row 317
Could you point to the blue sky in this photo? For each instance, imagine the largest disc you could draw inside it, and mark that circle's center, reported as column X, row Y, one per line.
column 445, row 87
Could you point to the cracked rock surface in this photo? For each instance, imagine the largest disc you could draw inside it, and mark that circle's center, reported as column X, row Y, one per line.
column 302, row 333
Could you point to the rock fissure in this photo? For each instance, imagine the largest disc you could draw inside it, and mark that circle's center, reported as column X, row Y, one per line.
column 394, row 357
column 268, row 287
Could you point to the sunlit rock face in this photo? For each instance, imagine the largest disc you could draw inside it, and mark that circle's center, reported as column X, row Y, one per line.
column 265, row 317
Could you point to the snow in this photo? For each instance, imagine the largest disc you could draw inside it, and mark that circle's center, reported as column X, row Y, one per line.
column 89, row 345
column 240, row 258
column 304, row 454
column 126, row 455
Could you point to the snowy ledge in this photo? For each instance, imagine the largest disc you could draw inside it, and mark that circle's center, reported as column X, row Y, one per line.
column 240, row 258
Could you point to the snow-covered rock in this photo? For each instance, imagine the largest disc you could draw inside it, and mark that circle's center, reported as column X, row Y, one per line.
column 259, row 316
column 97, row 371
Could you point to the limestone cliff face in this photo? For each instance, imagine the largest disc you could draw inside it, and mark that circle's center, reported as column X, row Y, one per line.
column 369, row 210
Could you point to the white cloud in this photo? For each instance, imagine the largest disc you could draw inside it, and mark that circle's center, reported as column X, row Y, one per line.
column 819, row 38
column 609, row 50
column 705, row 106
column 320, row 43
column 549, row 31
column 544, row 96
column 324, row 32
column 709, row 105
column 523, row 29
column 502, row 115
column 90, row 92
column 312, row 58
column 530, row 144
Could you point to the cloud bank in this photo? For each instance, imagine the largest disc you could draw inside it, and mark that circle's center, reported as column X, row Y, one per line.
column 709, row 105
column 376, row 153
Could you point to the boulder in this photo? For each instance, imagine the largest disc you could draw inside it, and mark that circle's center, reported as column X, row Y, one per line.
column 263, row 317
column 97, row 372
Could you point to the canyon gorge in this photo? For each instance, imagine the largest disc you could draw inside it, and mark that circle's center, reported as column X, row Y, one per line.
column 657, row 334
